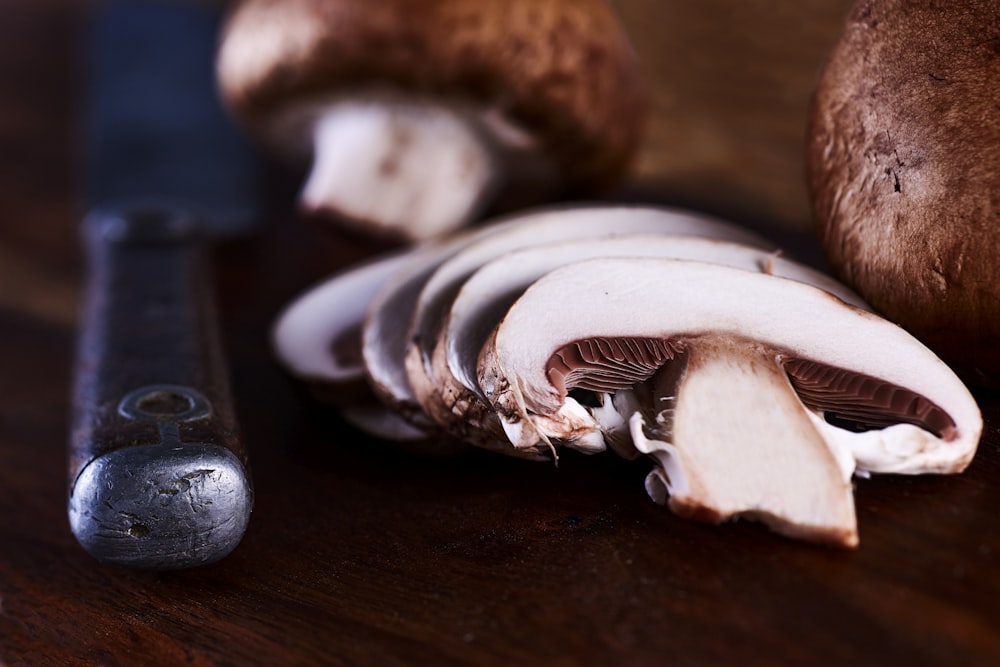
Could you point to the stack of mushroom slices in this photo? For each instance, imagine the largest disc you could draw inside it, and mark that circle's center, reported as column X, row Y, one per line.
column 756, row 385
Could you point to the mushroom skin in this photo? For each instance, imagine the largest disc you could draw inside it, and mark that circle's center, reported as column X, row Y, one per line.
column 735, row 343
column 532, row 90
column 903, row 168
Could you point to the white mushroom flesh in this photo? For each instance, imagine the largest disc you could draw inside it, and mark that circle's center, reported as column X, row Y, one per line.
column 407, row 169
column 723, row 453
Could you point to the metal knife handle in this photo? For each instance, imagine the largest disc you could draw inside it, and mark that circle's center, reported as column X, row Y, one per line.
column 159, row 477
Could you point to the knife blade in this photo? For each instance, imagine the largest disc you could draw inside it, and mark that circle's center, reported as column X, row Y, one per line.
column 159, row 476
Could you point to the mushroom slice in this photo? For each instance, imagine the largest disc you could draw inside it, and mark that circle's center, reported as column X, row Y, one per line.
column 534, row 229
column 415, row 115
column 746, row 417
column 386, row 324
column 386, row 328
column 379, row 421
column 317, row 337
column 487, row 294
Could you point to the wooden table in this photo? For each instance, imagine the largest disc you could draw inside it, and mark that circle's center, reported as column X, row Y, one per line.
column 358, row 554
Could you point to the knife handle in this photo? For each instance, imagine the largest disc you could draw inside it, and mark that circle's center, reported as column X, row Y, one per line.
column 158, row 475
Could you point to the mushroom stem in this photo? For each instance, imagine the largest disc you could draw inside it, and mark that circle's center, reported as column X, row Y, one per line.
column 732, row 438
column 416, row 170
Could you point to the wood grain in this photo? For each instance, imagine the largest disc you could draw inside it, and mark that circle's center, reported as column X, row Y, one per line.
column 358, row 554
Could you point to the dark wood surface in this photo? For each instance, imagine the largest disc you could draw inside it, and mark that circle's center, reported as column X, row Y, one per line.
column 358, row 554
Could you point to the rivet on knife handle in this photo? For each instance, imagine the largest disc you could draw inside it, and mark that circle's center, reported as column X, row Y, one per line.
column 158, row 474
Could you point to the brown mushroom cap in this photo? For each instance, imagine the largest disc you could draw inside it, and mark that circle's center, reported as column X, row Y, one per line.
column 904, row 171
column 562, row 70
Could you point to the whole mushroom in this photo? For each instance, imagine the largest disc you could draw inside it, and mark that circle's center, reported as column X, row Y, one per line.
column 904, row 171
column 415, row 112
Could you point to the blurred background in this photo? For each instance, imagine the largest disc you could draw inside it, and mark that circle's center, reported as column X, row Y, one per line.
column 730, row 84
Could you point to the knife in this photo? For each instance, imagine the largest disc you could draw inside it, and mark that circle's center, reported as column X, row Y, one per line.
column 158, row 473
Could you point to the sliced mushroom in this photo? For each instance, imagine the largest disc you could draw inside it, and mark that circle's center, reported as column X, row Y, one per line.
column 484, row 298
column 317, row 337
column 390, row 322
column 378, row 420
column 526, row 230
column 385, row 329
column 413, row 116
column 771, row 390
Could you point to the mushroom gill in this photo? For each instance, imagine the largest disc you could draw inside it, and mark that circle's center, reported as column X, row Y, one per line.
column 605, row 365
column 846, row 399
column 859, row 402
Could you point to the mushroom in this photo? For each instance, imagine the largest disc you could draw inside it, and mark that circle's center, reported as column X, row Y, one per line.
column 397, row 314
column 757, row 396
column 391, row 319
column 415, row 114
column 385, row 328
column 904, row 171
column 317, row 339
column 545, row 227
column 484, row 298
